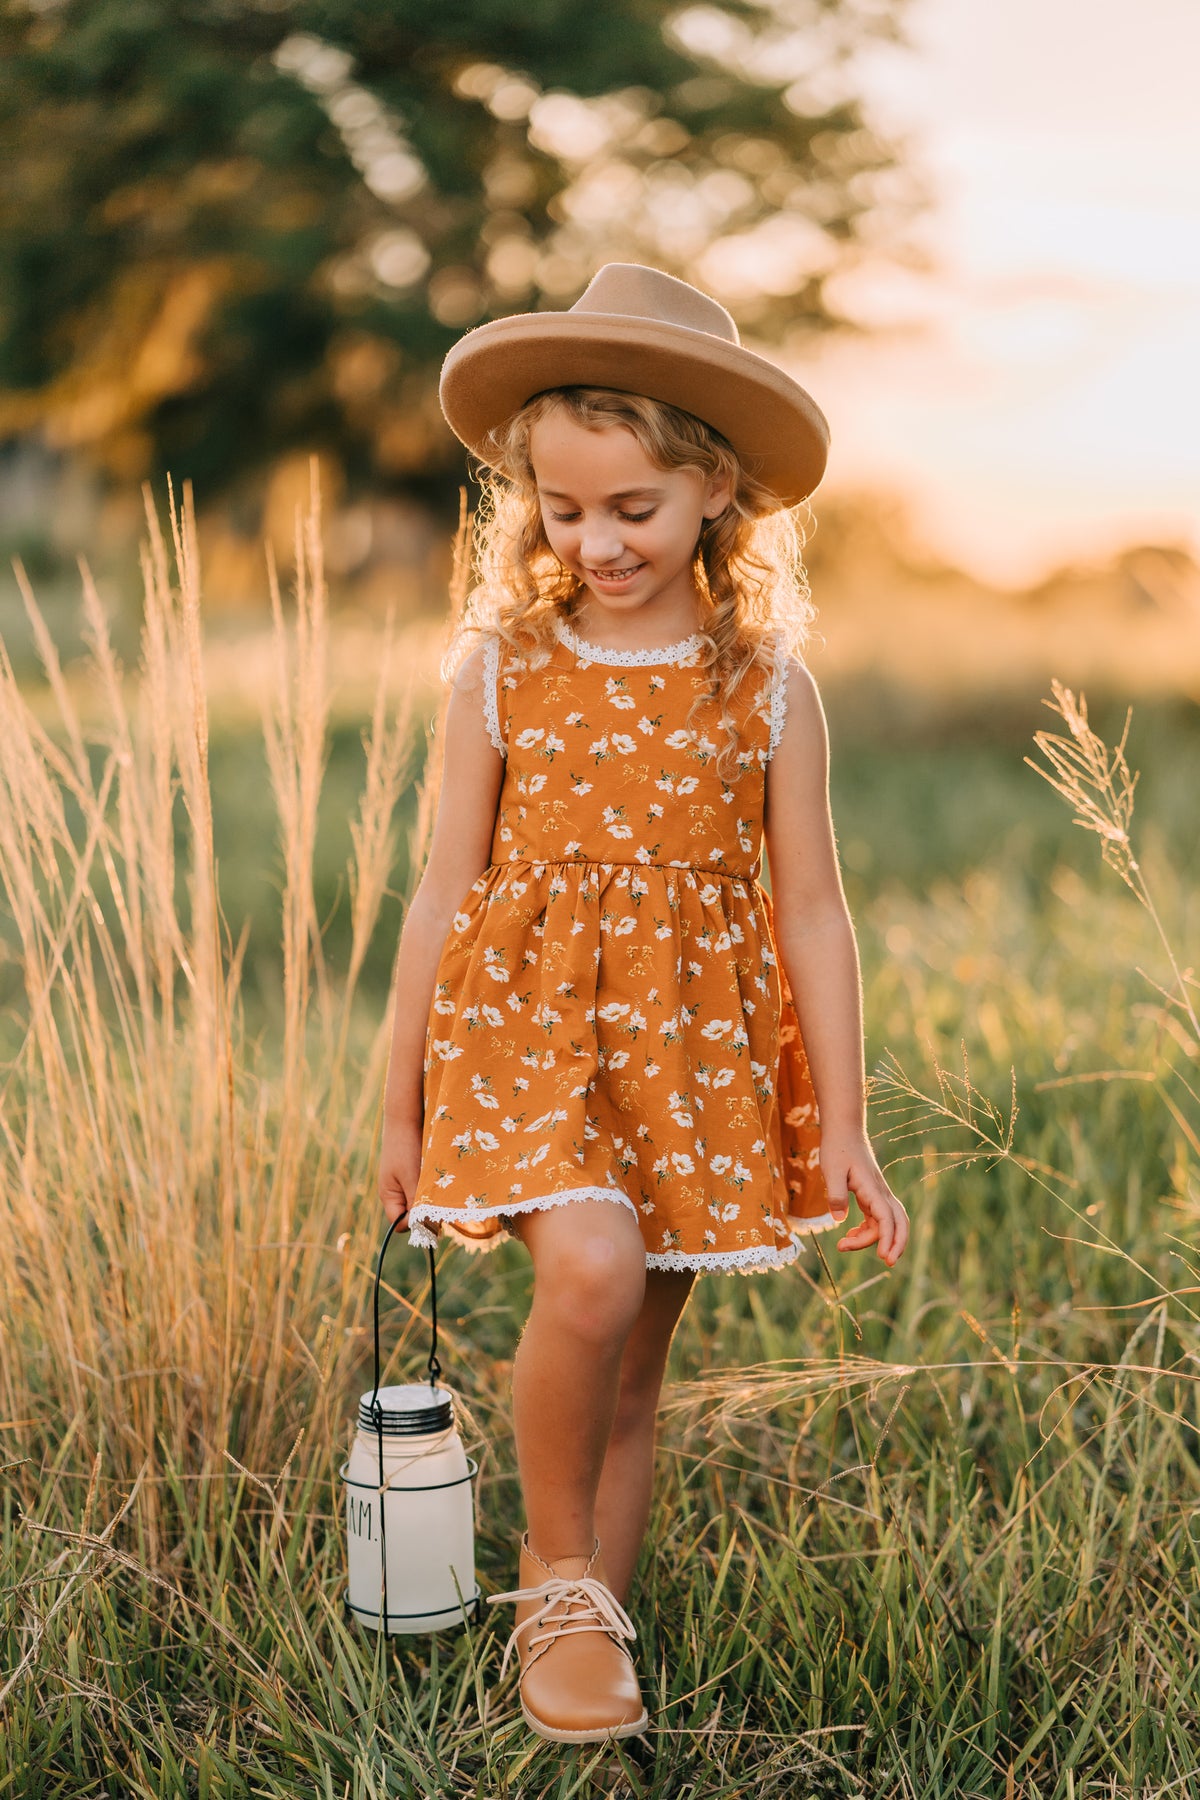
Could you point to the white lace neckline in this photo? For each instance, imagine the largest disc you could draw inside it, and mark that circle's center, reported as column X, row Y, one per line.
column 601, row 653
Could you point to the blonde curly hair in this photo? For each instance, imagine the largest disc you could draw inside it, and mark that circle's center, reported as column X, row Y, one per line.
column 748, row 567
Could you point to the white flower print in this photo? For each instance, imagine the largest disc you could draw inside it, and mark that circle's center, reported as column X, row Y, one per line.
column 717, row 1028
column 529, row 738
column 445, row 1050
column 485, row 1140
column 624, row 743
column 462, row 921
column 581, row 787
column 613, row 1011
column 556, row 1116
column 613, row 691
column 719, row 1164
column 683, row 1163
column 491, row 963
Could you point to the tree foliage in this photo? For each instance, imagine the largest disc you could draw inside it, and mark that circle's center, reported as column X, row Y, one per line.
column 230, row 229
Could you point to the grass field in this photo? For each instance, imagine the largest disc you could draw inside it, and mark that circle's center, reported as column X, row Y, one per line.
column 930, row 1532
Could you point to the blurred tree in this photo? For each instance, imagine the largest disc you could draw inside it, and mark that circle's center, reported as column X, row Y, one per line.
column 230, row 229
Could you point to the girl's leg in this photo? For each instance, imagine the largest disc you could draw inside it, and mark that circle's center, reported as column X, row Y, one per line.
column 589, row 1282
column 627, row 1479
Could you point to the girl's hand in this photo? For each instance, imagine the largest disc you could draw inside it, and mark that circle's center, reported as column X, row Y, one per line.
column 399, row 1166
column 848, row 1162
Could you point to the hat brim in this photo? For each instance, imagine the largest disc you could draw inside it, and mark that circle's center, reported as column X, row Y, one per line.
column 778, row 430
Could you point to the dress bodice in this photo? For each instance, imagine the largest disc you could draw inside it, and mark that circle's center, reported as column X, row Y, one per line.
column 602, row 765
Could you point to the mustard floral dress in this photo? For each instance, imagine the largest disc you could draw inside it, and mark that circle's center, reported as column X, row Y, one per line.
column 610, row 1019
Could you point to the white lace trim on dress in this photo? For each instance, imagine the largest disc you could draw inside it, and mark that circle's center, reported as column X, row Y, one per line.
column 491, row 709
column 779, row 682
column 806, row 1227
column 601, row 653
column 450, row 1215
column 753, row 1256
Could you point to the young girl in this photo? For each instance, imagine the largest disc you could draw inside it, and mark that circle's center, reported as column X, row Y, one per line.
column 596, row 1047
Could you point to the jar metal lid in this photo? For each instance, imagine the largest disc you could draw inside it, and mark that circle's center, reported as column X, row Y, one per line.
column 412, row 1411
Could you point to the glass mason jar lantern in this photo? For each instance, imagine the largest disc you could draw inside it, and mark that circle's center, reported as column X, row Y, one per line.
column 410, row 1524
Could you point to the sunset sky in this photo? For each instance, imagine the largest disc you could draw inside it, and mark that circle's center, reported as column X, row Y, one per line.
column 1038, row 398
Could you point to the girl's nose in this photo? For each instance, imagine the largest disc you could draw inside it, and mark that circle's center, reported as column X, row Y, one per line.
column 600, row 546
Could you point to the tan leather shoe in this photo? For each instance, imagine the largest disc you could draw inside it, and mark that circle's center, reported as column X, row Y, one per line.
column 577, row 1680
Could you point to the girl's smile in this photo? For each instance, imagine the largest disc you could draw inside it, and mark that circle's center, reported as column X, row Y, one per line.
column 624, row 527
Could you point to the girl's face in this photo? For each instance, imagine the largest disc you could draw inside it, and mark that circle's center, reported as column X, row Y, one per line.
column 626, row 528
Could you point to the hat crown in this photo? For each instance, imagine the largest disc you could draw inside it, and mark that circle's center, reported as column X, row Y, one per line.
column 634, row 291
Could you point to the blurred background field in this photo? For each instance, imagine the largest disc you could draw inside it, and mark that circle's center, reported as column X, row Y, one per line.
column 924, row 1533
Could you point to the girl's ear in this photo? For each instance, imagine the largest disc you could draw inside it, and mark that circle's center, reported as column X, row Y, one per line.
column 718, row 494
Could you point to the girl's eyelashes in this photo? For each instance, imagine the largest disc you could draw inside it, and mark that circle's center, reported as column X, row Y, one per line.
column 632, row 518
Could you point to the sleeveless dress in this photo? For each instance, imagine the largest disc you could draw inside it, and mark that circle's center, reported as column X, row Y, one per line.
column 610, row 1019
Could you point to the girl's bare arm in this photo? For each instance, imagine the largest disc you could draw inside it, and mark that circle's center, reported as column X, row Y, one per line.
column 459, row 851
column 817, row 947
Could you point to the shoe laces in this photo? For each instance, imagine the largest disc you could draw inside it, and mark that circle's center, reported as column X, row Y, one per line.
column 601, row 1611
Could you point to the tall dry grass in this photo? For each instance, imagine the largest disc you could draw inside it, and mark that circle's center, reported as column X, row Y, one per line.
column 181, row 1256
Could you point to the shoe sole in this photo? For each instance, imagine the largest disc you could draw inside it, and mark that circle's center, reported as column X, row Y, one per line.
column 595, row 1736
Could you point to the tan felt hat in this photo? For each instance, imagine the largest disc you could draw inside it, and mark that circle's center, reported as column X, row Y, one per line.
column 644, row 332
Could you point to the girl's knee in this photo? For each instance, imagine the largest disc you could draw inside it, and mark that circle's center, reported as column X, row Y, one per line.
column 595, row 1280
